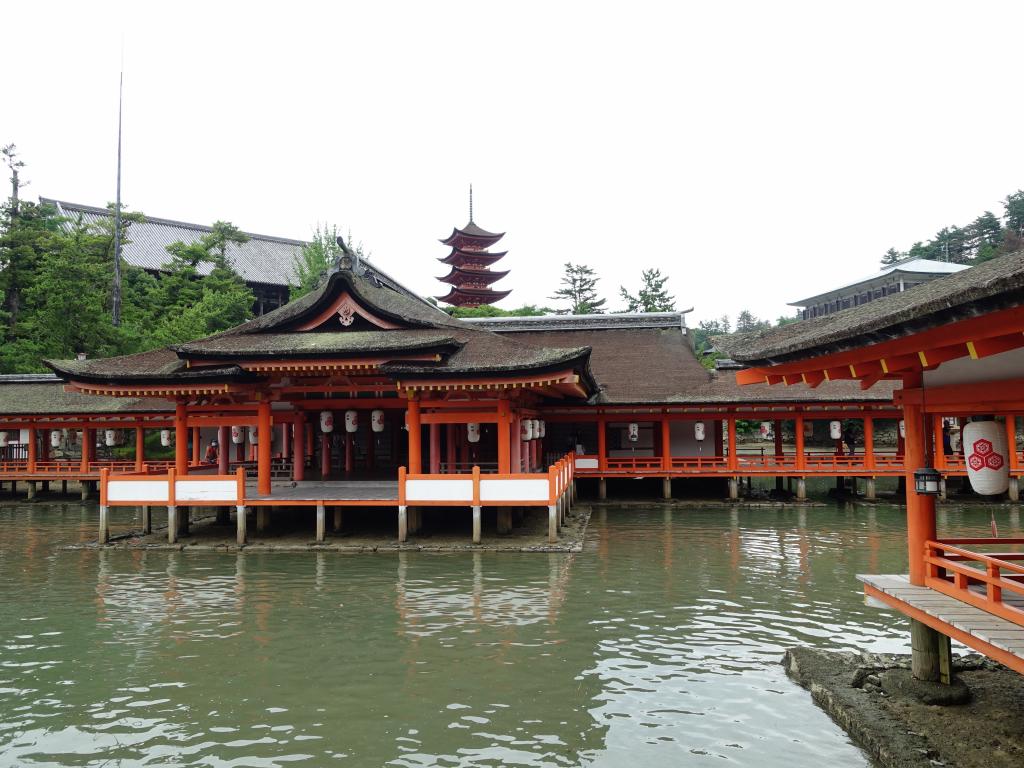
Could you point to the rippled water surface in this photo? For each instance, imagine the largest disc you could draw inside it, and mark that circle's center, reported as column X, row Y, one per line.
column 657, row 645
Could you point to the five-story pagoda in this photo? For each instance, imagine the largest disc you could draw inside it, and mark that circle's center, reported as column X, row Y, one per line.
column 471, row 276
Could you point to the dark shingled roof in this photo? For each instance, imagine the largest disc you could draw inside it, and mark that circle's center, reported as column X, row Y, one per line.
column 326, row 343
column 44, row 395
column 992, row 285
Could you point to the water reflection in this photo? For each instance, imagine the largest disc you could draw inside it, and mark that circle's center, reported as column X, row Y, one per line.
column 657, row 645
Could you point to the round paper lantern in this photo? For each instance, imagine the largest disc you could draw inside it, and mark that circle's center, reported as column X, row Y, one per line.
column 351, row 421
column 835, row 429
column 903, row 428
column 238, row 435
column 109, row 438
column 986, row 454
column 254, row 435
column 698, row 431
column 808, row 429
column 3, row 439
column 377, row 421
column 766, row 430
column 55, row 437
column 473, row 432
column 543, row 428
column 326, row 421
column 535, row 426
column 165, row 437
column 526, row 429
column 634, row 432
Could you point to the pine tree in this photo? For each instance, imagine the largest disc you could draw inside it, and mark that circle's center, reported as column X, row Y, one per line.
column 892, row 256
column 653, row 297
column 579, row 288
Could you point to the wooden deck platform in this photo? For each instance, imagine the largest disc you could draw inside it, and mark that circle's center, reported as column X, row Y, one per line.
column 997, row 638
column 365, row 493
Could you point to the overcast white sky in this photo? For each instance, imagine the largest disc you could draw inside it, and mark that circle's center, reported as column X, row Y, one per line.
column 756, row 152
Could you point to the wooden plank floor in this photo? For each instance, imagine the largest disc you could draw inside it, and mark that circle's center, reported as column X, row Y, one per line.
column 970, row 621
column 328, row 490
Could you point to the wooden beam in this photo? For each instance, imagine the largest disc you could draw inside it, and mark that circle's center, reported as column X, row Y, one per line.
column 987, row 347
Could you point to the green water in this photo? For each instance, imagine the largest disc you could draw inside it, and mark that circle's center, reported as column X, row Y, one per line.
column 656, row 646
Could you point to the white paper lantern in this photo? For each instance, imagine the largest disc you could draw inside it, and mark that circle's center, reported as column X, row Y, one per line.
column 526, row 429
column 254, row 435
column 698, row 431
column 377, row 421
column 3, row 439
column 473, row 432
column 634, row 432
column 326, row 421
column 766, row 430
column 835, row 429
column 109, row 438
column 55, row 437
column 808, row 429
column 987, row 457
column 165, row 437
column 535, row 427
column 351, row 421
column 543, row 428
column 238, row 435
column 903, row 428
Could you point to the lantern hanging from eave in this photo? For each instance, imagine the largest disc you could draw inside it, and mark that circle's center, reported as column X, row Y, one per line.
column 238, row 435
column 543, row 428
column 3, row 439
column 326, row 421
column 109, row 438
column 987, row 457
column 535, row 426
column 698, row 431
column 165, row 438
column 254, row 435
column 55, row 437
column 808, row 428
column 351, row 421
column 634, row 432
column 473, row 432
column 377, row 420
column 766, row 430
column 835, row 429
column 903, row 428
column 526, row 429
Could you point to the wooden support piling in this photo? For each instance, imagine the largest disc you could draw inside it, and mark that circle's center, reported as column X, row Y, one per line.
column 477, row 525
column 240, row 522
column 321, row 522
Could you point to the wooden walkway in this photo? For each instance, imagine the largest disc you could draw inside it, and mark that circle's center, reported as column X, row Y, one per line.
column 329, row 492
column 997, row 638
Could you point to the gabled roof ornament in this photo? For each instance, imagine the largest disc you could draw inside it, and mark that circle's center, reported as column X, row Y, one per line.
column 348, row 260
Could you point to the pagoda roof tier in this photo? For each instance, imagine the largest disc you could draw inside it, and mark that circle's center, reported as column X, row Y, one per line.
column 460, row 257
column 351, row 317
column 459, row 276
column 472, row 297
column 473, row 236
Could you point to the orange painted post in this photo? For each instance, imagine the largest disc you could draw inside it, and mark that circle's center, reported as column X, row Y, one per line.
column 350, row 453
column 869, row 442
column 516, row 457
column 939, row 451
column 801, row 455
column 734, row 459
column 920, row 509
column 435, row 448
column 666, row 444
column 32, row 448
column 325, row 456
column 180, row 440
column 412, row 417
column 602, row 444
column 299, row 463
column 84, row 464
column 265, row 434
column 285, row 440
column 140, row 449
column 1011, row 441
column 172, row 500
column 476, row 486
column 195, row 445
column 240, row 491
column 449, row 446
column 401, row 486
column 504, row 439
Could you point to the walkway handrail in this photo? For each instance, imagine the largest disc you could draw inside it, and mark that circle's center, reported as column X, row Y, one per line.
column 948, row 571
column 170, row 489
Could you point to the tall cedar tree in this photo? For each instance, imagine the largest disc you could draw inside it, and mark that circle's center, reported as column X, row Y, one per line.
column 579, row 288
column 653, row 297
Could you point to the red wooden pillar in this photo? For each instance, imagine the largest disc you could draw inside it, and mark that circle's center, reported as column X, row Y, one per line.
column 435, row 449
column 939, row 448
column 371, row 447
column 84, row 464
column 223, row 467
column 666, row 444
column 195, row 445
column 264, row 437
column 325, row 455
column 801, row 453
column 602, row 443
column 180, row 440
column 516, row 430
column 920, row 509
column 869, row 442
column 33, row 445
column 719, row 446
column 412, row 418
column 299, row 463
column 44, row 444
column 449, row 446
column 140, row 449
column 734, row 459
column 1011, row 442
column 463, row 439
column 505, row 438
column 350, row 452
column 778, row 438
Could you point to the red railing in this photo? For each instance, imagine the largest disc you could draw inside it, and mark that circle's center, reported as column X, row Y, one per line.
column 71, row 468
column 746, row 464
column 977, row 578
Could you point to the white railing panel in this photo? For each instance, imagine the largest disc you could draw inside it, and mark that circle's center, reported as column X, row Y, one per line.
column 586, row 464
column 438, row 490
column 141, row 491
column 513, row 489
column 206, row 490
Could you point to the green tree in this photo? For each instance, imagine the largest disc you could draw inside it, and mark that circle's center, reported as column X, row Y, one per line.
column 317, row 257
column 652, row 297
column 579, row 288
column 892, row 256
column 488, row 310
column 1013, row 213
column 747, row 322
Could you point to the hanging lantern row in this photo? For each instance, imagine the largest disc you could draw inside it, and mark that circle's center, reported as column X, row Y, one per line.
column 237, row 435
column 377, row 421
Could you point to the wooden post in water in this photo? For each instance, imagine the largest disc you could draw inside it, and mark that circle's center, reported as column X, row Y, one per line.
column 552, row 524
column 147, row 519
column 321, row 523
column 476, row 524
column 338, row 519
column 403, row 523
column 931, row 657
column 240, row 525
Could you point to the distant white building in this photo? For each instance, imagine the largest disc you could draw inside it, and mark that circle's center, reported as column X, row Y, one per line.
column 895, row 278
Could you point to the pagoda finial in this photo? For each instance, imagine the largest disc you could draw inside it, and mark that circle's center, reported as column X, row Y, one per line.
column 470, row 203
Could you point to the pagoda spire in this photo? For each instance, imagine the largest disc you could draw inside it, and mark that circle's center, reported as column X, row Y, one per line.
column 470, row 276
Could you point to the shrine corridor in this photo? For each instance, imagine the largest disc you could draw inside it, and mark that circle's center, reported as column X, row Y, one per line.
column 657, row 645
